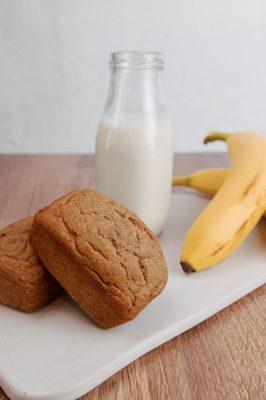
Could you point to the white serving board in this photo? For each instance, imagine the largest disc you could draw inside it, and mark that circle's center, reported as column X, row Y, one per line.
column 59, row 354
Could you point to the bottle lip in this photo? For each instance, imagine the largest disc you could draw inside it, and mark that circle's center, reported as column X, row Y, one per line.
column 151, row 60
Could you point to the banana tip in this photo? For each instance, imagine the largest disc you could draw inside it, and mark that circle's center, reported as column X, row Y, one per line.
column 187, row 267
column 213, row 136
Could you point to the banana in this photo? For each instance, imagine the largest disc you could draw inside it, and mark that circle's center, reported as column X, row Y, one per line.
column 235, row 209
column 206, row 181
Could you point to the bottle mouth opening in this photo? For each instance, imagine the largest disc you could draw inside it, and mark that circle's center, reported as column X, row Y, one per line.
column 136, row 60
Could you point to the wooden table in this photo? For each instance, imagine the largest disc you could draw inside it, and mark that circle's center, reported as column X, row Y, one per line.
column 220, row 359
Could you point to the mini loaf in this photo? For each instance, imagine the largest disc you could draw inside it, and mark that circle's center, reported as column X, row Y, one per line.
column 25, row 284
column 104, row 256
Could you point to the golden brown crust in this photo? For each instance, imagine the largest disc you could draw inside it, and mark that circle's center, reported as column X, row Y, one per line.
column 105, row 247
column 25, row 284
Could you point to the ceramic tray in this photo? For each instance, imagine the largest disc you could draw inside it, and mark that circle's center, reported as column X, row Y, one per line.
column 59, row 354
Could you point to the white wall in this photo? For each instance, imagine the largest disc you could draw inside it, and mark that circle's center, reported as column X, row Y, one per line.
column 54, row 73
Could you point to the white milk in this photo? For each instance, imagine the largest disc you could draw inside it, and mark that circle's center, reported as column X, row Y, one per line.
column 134, row 164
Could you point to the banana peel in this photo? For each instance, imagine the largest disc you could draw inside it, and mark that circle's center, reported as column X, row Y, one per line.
column 206, row 181
column 235, row 209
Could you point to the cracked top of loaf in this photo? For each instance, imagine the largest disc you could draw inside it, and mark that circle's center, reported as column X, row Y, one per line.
column 111, row 243
column 18, row 261
column 25, row 284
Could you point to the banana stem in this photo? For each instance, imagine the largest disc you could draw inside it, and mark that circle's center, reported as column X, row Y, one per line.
column 212, row 136
column 181, row 181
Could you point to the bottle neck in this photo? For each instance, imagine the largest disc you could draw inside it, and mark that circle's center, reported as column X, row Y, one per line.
column 134, row 90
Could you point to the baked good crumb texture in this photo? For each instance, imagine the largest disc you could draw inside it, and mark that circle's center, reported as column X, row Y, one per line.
column 104, row 256
column 25, row 284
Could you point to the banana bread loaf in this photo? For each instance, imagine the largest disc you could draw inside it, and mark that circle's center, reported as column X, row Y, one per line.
column 25, row 284
column 104, row 256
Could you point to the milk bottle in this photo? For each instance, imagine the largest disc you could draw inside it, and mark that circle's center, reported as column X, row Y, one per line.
column 134, row 154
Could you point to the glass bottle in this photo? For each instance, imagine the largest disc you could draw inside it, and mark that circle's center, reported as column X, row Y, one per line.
column 134, row 155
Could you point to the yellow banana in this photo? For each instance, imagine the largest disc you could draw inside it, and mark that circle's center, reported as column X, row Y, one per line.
column 235, row 209
column 207, row 181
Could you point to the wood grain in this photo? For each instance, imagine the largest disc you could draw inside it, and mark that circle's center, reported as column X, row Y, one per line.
column 221, row 359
